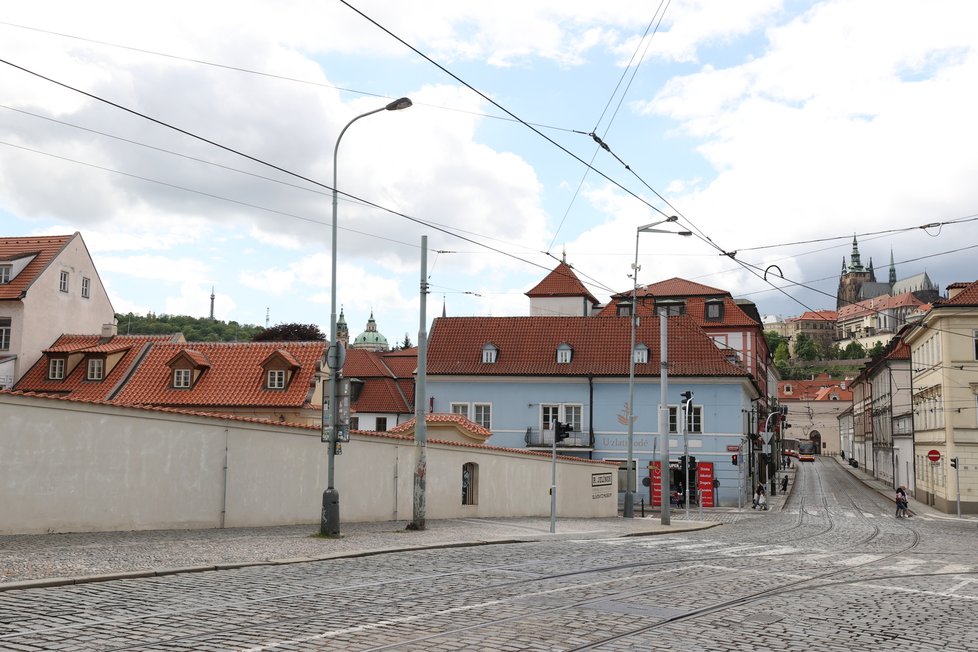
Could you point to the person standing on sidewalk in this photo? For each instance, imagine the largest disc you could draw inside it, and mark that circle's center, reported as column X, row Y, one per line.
column 901, row 502
column 784, row 483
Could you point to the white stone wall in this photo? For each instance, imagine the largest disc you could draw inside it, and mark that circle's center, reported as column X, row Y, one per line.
column 68, row 466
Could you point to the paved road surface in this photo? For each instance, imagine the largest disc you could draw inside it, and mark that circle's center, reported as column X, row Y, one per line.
column 830, row 568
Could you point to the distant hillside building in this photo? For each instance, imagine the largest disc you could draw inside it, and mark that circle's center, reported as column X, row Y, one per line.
column 858, row 283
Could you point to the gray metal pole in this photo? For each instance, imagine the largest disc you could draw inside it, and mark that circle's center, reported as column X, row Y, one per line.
column 329, row 524
column 420, row 400
column 957, row 478
column 681, row 415
column 664, row 415
column 553, row 479
column 629, row 507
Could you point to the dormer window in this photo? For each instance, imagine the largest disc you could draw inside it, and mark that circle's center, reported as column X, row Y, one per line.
column 624, row 309
column 489, row 353
column 181, row 378
column 714, row 310
column 641, row 353
column 564, row 353
column 670, row 307
column 96, row 369
column 279, row 368
column 56, row 369
column 5, row 273
column 187, row 365
column 276, row 379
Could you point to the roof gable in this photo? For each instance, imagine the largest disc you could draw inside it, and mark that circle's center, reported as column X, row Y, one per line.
column 561, row 282
column 680, row 287
column 43, row 249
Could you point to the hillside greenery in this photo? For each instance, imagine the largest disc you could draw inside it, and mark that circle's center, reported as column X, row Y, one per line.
column 194, row 329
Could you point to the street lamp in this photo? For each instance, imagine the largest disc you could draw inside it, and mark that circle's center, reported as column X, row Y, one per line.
column 629, row 507
column 329, row 524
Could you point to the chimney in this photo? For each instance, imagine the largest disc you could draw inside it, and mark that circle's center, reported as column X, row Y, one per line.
column 109, row 330
column 954, row 289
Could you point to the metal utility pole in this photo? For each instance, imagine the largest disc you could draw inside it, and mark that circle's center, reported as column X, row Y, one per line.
column 664, row 415
column 420, row 400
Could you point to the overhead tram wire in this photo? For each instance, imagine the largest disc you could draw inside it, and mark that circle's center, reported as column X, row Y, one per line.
column 648, row 41
column 267, row 164
column 502, row 108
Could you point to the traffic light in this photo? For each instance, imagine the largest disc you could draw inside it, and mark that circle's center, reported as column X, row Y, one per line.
column 562, row 430
column 733, row 460
column 954, row 462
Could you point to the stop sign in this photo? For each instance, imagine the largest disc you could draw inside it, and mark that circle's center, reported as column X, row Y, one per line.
column 934, row 456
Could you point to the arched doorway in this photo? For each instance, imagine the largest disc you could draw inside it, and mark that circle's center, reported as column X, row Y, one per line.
column 816, row 438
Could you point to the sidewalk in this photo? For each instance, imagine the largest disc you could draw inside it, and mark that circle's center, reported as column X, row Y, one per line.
column 28, row 561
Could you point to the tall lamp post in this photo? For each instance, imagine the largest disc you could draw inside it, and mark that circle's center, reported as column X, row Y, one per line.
column 329, row 524
column 629, row 507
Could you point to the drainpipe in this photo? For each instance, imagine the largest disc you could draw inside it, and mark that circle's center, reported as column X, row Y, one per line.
column 590, row 415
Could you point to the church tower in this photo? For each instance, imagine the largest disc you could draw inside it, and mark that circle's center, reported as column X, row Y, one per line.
column 852, row 278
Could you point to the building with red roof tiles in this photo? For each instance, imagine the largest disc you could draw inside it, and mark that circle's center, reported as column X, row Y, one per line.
column 817, row 325
column 735, row 326
column 944, row 353
column 814, row 406
column 877, row 319
column 882, row 416
column 380, row 398
column 48, row 286
column 561, row 294
column 447, row 427
column 517, row 376
column 277, row 381
column 88, row 367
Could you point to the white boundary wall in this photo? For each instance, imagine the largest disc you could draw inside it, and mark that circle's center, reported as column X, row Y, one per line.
column 70, row 466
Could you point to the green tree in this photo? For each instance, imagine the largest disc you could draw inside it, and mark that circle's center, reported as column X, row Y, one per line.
column 876, row 351
column 774, row 340
column 805, row 348
column 403, row 344
column 781, row 354
column 194, row 329
column 289, row 333
column 853, row 351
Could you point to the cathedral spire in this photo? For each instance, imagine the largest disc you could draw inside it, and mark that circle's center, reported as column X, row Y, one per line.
column 855, row 265
column 892, row 270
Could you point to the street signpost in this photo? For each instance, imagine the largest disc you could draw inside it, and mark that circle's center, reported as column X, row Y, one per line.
column 934, row 456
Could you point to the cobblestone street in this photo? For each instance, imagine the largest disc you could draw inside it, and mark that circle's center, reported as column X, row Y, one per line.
column 828, row 568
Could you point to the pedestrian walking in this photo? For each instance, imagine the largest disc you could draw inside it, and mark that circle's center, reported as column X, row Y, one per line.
column 901, row 502
column 760, row 498
column 784, row 484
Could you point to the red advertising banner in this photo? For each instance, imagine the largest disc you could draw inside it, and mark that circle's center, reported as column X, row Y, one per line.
column 655, row 470
column 704, row 481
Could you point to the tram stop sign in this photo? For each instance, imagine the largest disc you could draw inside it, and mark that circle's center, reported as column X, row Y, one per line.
column 934, row 455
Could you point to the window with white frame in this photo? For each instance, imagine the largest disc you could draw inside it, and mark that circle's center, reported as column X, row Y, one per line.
column 974, row 337
column 181, row 378
column 564, row 353
column 694, row 419
column 4, row 333
column 489, row 354
column 96, row 369
column 714, row 310
column 460, row 408
column 63, row 284
column 572, row 415
column 86, row 287
column 549, row 414
column 5, row 273
column 56, row 369
column 641, row 353
column 482, row 414
column 276, row 379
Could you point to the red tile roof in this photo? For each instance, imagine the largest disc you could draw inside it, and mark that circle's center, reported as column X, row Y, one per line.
column 819, row 389
column 45, row 248
column 966, row 297
column 818, row 315
column 235, row 377
column 561, row 282
column 76, row 383
column 442, row 418
column 382, row 390
column 680, row 287
column 733, row 315
column 527, row 347
column 878, row 304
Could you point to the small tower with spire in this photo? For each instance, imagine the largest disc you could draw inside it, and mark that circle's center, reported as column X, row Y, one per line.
column 852, row 278
column 342, row 330
column 212, row 303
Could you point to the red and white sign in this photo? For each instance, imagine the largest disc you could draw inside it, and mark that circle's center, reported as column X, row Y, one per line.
column 934, row 455
column 656, row 484
column 704, row 478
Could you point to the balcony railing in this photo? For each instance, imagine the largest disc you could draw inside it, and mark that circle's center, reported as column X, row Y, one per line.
column 545, row 439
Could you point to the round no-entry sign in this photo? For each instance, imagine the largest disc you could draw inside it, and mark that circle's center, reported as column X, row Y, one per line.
column 934, row 456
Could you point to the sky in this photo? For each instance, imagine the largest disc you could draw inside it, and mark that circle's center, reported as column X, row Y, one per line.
column 192, row 146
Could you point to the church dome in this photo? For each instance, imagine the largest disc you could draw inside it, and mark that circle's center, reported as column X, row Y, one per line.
column 371, row 339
